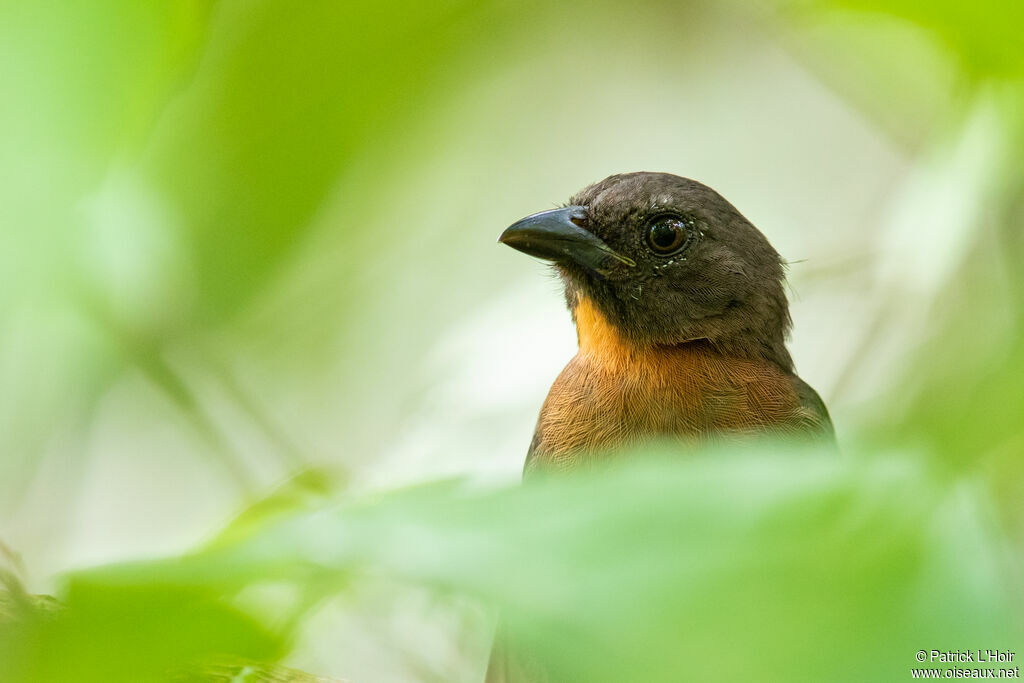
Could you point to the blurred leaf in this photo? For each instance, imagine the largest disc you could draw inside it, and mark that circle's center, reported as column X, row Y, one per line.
column 984, row 35
column 285, row 94
column 84, row 84
column 306, row 490
column 242, row 671
column 768, row 568
column 142, row 633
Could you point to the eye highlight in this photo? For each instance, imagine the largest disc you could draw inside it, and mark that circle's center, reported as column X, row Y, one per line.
column 667, row 235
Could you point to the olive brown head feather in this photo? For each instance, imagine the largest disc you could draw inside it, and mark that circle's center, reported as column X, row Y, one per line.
column 667, row 261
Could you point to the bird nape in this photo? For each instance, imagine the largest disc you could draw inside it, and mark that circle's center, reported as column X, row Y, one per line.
column 681, row 317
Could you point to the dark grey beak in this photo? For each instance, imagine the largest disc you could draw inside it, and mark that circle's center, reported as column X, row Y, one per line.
column 558, row 236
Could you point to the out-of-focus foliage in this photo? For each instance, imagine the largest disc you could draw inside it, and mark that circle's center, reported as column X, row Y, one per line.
column 981, row 36
column 785, row 566
column 128, row 634
column 233, row 235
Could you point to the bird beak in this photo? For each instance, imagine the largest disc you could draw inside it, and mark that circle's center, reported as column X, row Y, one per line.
column 558, row 236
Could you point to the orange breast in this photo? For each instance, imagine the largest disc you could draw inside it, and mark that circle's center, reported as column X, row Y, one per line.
column 613, row 393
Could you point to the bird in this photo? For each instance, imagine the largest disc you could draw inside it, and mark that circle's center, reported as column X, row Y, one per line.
column 681, row 318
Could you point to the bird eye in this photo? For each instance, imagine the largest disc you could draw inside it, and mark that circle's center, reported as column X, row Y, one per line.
column 666, row 235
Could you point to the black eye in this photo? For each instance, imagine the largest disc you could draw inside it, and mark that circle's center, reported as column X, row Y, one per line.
column 666, row 235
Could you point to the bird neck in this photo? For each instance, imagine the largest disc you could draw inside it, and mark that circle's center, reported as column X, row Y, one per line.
column 602, row 342
column 598, row 337
column 608, row 352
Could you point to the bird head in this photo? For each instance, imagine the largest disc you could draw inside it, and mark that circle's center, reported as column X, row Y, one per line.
column 665, row 261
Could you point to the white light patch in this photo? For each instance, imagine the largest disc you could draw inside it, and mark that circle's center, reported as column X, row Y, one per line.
column 926, row 233
column 133, row 254
column 487, row 377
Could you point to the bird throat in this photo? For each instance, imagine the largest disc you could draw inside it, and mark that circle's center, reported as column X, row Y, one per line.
column 599, row 338
column 605, row 349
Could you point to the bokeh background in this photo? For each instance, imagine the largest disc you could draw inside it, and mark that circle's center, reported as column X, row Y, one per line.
column 247, row 249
